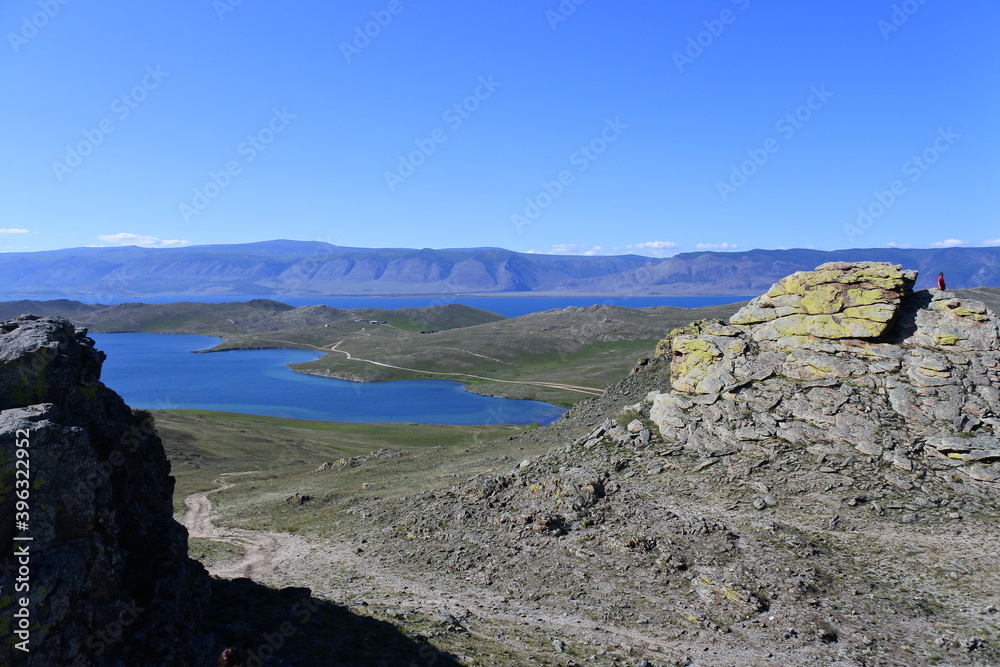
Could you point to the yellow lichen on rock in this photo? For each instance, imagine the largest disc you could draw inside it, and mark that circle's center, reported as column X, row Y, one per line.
column 823, row 299
column 857, row 296
column 828, row 326
column 838, row 300
column 692, row 358
column 876, row 312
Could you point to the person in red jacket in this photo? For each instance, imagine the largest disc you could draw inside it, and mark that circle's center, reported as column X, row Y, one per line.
column 941, row 281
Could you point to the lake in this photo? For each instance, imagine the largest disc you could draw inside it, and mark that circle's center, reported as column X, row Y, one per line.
column 158, row 372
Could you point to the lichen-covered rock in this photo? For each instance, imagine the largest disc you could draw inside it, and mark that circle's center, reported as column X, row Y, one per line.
column 848, row 357
column 837, row 300
column 110, row 580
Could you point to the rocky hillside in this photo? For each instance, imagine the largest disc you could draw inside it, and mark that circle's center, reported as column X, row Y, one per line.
column 845, row 360
column 94, row 570
column 106, row 579
column 811, row 483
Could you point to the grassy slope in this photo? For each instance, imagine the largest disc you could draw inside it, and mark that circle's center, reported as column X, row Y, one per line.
column 591, row 347
column 262, row 315
column 203, row 444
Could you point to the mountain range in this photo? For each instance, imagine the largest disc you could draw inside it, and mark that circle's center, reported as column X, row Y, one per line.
column 311, row 268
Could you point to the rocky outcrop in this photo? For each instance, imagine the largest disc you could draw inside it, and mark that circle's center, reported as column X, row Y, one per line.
column 101, row 575
column 846, row 358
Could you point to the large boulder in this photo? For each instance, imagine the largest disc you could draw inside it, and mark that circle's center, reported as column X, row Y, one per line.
column 846, row 357
column 837, row 300
column 108, row 578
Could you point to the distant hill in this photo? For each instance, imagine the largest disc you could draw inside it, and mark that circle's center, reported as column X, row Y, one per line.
column 313, row 269
column 294, row 268
column 264, row 315
column 754, row 271
column 71, row 310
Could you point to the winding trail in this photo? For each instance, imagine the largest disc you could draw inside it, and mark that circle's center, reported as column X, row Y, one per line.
column 338, row 571
column 591, row 391
column 261, row 551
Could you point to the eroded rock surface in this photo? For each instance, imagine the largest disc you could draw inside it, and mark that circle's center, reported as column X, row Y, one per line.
column 846, row 357
column 110, row 582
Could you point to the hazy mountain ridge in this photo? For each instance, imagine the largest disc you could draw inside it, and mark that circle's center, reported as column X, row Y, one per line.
column 291, row 267
column 316, row 268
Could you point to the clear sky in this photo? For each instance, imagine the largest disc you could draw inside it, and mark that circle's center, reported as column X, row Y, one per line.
column 576, row 126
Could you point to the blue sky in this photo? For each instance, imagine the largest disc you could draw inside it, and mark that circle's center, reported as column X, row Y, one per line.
column 599, row 127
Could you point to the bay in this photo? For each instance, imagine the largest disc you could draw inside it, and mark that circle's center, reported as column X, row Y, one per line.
column 159, row 371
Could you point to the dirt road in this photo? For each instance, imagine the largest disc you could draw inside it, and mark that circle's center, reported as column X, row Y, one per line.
column 263, row 553
column 580, row 389
column 340, row 573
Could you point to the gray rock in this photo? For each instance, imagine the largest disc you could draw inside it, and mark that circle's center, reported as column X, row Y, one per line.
column 845, row 359
column 105, row 545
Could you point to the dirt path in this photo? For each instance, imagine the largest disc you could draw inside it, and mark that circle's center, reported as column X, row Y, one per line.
column 590, row 391
column 339, row 572
column 262, row 552
column 551, row 385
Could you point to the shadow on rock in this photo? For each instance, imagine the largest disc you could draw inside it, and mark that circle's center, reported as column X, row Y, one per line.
column 290, row 627
column 905, row 325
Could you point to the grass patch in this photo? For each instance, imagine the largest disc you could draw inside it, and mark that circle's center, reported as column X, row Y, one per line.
column 210, row 552
column 203, row 444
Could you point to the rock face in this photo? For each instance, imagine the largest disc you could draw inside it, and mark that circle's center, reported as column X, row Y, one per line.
column 108, row 578
column 837, row 300
column 843, row 358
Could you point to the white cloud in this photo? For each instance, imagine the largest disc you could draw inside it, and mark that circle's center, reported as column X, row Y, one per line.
column 717, row 246
column 575, row 249
column 14, row 231
column 124, row 238
column 653, row 247
column 991, row 242
column 948, row 243
column 893, row 244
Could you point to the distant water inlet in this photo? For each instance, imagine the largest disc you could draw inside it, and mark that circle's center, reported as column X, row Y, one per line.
column 158, row 371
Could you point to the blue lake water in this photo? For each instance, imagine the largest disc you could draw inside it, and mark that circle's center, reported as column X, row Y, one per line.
column 158, row 371
column 510, row 306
